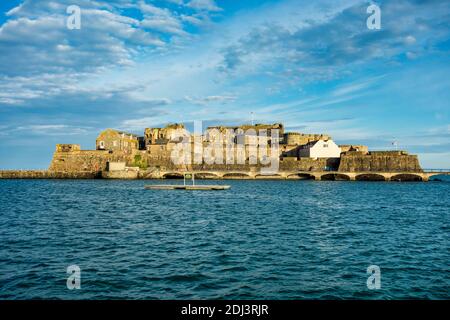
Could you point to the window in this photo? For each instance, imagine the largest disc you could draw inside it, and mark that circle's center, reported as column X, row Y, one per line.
column 102, row 144
column 325, row 145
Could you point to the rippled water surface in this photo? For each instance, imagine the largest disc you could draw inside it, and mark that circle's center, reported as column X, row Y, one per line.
column 258, row 240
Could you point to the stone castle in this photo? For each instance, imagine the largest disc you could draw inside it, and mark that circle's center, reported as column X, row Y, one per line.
column 126, row 155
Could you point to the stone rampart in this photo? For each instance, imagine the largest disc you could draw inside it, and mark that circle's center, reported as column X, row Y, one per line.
column 396, row 161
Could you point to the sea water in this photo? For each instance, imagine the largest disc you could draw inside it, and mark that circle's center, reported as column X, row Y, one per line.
column 258, row 240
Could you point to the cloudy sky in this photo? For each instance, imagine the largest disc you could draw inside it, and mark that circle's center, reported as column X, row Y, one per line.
column 312, row 65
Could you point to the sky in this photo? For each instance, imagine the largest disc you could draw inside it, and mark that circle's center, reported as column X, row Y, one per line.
column 314, row 66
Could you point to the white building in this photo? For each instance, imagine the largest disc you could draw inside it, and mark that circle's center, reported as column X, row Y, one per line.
column 320, row 149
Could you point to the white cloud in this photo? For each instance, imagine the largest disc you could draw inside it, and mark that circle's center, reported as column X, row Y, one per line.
column 409, row 39
column 221, row 99
column 51, row 129
column 163, row 24
column 10, row 101
column 328, row 47
column 137, row 125
column 354, row 87
column 42, row 58
column 100, row 43
column 192, row 20
column 208, row 5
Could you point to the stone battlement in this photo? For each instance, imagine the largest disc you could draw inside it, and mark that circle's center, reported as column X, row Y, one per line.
column 380, row 161
column 67, row 147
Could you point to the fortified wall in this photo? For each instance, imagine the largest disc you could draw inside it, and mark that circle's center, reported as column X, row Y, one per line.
column 298, row 139
column 69, row 158
column 74, row 160
column 380, row 161
column 46, row 174
column 152, row 153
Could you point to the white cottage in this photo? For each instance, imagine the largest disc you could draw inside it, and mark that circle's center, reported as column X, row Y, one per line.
column 320, row 149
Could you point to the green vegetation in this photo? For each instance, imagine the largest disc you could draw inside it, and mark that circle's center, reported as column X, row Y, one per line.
column 139, row 162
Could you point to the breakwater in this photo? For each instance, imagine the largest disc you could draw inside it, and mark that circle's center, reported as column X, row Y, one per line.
column 222, row 175
column 46, row 174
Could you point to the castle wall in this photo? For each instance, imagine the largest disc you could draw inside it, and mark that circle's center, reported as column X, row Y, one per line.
column 295, row 138
column 309, row 164
column 93, row 160
column 348, row 147
column 122, row 147
column 71, row 159
column 381, row 161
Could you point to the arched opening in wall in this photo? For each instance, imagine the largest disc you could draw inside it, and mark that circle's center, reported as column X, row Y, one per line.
column 269, row 177
column 333, row 163
column 406, row 177
column 335, row 177
column 301, row 176
column 173, row 175
column 439, row 177
column 236, row 175
column 206, row 175
column 370, row 177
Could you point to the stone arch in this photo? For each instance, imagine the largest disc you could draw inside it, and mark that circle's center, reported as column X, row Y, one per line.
column 173, row 175
column 301, row 176
column 437, row 177
column 236, row 175
column 206, row 175
column 335, row 177
column 370, row 177
column 271, row 176
column 406, row 177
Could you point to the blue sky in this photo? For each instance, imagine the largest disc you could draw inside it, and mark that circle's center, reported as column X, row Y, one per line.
column 313, row 65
